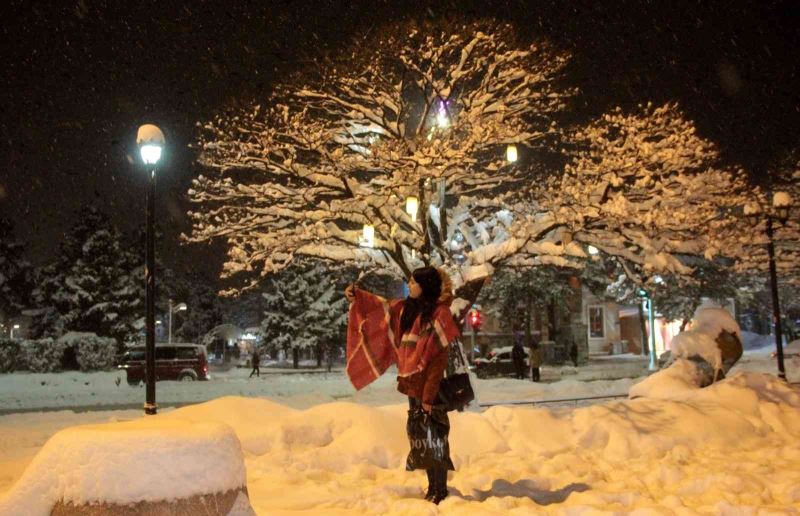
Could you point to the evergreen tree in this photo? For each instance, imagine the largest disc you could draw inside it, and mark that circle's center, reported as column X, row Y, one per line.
column 305, row 308
column 15, row 274
column 204, row 310
column 95, row 285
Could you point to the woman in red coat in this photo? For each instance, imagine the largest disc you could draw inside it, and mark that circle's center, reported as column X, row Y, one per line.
column 415, row 334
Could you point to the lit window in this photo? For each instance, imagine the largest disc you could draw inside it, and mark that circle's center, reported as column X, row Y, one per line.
column 596, row 322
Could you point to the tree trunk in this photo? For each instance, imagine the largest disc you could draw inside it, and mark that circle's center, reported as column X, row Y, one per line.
column 528, row 315
column 684, row 323
column 295, row 357
column 551, row 319
column 319, row 355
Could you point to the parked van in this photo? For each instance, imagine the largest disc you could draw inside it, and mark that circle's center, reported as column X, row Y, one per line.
column 183, row 362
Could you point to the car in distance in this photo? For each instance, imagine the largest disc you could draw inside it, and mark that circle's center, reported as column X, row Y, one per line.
column 182, row 362
column 498, row 363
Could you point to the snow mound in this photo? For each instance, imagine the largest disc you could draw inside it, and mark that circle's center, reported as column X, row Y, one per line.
column 699, row 356
column 712, row 446
column 701, row 339
column 149, row 459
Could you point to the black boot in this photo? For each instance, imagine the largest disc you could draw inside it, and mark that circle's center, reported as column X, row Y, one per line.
column 431, row 492
column 440, row 492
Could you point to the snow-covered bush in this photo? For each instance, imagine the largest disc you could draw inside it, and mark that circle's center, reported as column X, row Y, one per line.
column 91, row 351
column 10, row 356
column 44, row 355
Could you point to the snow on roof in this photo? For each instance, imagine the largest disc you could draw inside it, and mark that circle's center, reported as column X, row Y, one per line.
column 149, row 459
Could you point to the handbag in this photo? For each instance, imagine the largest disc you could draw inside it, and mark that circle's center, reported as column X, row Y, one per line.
column 455, row 389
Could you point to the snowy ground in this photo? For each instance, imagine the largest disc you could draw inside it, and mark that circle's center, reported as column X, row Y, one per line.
column 26, row 391
column 732, row 448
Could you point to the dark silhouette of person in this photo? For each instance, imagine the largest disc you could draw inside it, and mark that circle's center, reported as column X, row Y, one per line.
column 256, row 360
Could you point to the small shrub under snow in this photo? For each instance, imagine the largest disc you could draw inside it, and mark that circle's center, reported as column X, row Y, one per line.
column 9, row 355
column 92, row 352
column 44, row 355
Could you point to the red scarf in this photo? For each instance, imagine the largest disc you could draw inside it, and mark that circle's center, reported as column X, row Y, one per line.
column 374, row 342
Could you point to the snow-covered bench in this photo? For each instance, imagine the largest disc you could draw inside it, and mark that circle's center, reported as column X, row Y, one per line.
column 148, row 466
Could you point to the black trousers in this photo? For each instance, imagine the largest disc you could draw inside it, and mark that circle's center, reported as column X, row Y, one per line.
column 535, row 374
column 255, row 371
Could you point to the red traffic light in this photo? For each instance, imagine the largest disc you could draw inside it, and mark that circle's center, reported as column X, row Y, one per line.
column 475, row 319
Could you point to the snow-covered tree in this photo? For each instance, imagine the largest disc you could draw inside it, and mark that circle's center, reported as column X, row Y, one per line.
column 305, row 308
column 204, row 310
column 15, row 274
column 513, row 294
column 747, row 243
column 94, row 286
column 405, row 112
column 645, row 189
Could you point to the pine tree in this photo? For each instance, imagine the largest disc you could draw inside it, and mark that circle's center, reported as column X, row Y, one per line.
column 305, row 309
column 15, row 275
column 204, row 310
column 94, row 286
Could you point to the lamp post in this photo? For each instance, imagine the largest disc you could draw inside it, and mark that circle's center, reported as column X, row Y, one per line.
column 781, row 203
column 13, row 327
column 180, row 307
column 150, row 141
column 651, row 320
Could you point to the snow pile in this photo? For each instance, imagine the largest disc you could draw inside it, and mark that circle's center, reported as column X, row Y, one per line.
column 712, row 451
column 701, row 339
column 618, row 456
column 149, row 459
column 699, row 355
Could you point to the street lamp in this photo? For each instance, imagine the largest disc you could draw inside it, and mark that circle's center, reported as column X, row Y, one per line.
column 14, row 327
column 651, row 320
column 180, row 307
column 412, row 206
column 511, row 153
column 368, row 236
column 150, row 141
column 781, row 203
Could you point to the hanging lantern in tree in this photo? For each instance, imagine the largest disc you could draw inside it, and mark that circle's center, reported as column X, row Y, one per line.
column 412, row 205
column 511, row 153
column 368, row 237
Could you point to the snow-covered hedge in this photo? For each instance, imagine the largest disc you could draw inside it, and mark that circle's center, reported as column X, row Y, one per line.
column 11, row 357
column 44, row 355
column 92, row 352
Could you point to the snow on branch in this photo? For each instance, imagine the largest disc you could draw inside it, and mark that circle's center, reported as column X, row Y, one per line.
column 645, row 188
column 425, row 113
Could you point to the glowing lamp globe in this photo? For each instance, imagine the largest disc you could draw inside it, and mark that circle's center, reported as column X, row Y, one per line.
column 368, row 236
column 150, row 140
column 782, row 201
column 412, row 205
column 511, row 153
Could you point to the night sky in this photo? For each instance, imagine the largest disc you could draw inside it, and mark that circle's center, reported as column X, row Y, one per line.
column 80, row 77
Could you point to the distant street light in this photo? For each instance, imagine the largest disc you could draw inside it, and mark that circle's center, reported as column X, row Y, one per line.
column 368, row 236
column 180, row 307
column 442, row 117
column 781, row 204
column 14, row 327
column 150, row 141
column 412, row 206
column 511, row 153
column 593, row 250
